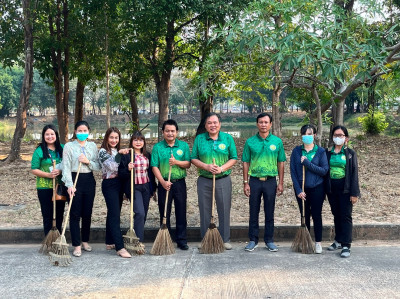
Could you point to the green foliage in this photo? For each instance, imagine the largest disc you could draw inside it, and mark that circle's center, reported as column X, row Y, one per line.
column 374, row 122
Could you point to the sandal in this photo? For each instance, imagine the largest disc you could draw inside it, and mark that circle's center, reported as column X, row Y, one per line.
column 123, row 253
column 86, row 247
column 77, row 251
column 110, row 246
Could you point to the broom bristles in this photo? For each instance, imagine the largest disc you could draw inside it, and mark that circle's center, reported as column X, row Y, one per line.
column 59, row 256
column 47, row 243
column 303, row 242
column 163, row 244
column 132, row 244
column 212, row 241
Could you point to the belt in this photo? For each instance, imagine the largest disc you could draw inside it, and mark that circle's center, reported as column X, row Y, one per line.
column 265, row 178
column 221, row 177
column 174, row 181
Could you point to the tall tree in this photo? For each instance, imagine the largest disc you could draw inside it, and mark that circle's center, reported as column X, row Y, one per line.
column 26, row 20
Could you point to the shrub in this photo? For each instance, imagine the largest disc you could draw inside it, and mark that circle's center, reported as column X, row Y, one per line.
column 374, row 122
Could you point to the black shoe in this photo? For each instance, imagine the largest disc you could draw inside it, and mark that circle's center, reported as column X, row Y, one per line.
column 183, row 246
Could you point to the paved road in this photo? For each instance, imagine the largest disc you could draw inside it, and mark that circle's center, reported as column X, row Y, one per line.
column 373, row 271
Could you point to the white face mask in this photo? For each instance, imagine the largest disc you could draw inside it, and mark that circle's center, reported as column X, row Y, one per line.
column 338, row 140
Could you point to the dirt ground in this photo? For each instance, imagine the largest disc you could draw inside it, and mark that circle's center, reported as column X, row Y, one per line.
column 379, row 172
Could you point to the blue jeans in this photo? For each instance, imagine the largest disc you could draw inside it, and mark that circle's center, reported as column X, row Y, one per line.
column 266, row 189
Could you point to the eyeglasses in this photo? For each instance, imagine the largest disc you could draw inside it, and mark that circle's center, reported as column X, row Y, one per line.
column 339, row 135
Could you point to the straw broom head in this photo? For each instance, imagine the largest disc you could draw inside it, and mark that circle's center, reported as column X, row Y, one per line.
column 163, row 244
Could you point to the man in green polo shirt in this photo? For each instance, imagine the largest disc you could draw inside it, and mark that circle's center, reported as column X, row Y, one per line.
column 263, row 159
column 173, row 153
column 221, row 147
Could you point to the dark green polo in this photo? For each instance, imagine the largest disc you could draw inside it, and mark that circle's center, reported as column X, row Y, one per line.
column 337, row 164
column 161, row 154
column 263, row 155
column 222, row 149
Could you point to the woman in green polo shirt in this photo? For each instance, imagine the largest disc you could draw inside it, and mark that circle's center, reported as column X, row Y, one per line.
column 342, row 188
column 49, row 150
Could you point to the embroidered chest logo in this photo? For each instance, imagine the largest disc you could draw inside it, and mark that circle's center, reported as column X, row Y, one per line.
column 272, row 147
column 222, row 146
column 312, row 156
column 343, row 157
column 179, row 152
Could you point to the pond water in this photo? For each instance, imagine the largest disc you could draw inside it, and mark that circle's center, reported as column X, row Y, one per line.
column 237, row 130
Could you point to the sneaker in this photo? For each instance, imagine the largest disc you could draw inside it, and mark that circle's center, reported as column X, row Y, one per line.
column 335, row 245
column 271, row 247
column 251, row 246
column 345, row 252
column 318, row 247
column 227, row 246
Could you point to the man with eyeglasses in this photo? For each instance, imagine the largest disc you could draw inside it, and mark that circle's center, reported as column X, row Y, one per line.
column 263, row 159
column 220, row 146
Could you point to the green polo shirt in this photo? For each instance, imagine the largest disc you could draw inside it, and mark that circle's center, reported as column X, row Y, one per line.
column 263, row 155
column 309, row 155
column 162, row 152
column 337, row 164
column 44, row 164
column 222, row 149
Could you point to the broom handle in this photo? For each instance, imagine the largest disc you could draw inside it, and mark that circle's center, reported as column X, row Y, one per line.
column 54, row 196
column 302, row 201
column 213, row 196
column 132, row 186
column 166, row 198
column 70, row 201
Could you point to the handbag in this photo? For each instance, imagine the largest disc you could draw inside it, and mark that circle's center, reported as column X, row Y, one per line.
column 61, row 192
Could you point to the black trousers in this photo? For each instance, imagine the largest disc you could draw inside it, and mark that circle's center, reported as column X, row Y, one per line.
column 113, row 196
column 177, row 194
column 82, row 206
column 313, row 207
column 266, row 189
column 46, row 206
column 342, row 210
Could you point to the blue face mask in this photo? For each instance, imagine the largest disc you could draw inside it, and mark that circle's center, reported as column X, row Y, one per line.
column 307, row 139
column 82, row 136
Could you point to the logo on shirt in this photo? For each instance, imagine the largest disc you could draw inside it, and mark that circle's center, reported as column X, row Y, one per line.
column 343, row 157
column 272, row 147
column 312, row 156
column 222, row 146
column 179, row 152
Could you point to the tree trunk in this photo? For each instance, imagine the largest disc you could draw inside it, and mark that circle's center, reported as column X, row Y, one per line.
column 206, row 106
column 371, row 94
column 319, row 115
column 108, row 120
column 134, row 109
column 20, row 128
column 276, row 114
column 80, row 89
column 163, row 95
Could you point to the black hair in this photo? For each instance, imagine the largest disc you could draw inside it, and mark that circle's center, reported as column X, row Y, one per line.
column 305, row 128
column 81, row 123
column 339, row 127
column 212, row 114
column 139, row 135
column 57, row 144
column 169, row 122
column 264, row 114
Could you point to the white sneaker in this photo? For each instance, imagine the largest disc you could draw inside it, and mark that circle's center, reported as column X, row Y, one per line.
column 227, row 246
column 318, row 247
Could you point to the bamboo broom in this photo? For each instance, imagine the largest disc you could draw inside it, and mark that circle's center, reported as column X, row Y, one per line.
column 131, row 241
column 212, row 241
column 60, row 256
column 163, row 243
column 303, row 242
column 53, row 234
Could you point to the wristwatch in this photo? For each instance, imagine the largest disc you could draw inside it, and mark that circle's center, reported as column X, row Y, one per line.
column 245, row 182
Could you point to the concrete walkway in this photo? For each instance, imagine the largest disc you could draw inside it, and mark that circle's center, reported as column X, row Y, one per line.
column 373, row 271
